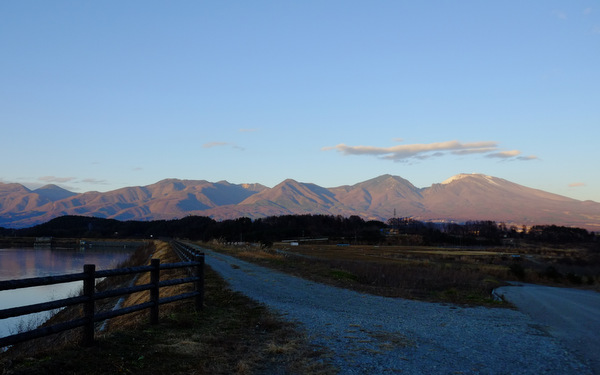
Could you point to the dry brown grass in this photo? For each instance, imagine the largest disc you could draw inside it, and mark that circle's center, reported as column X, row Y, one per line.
column 260, row 254
column 399, row 271
column 231, row 335
column 458, row 275
column 163, row 252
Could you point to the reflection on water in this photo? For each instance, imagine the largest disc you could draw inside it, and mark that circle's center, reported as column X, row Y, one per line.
column 25, row 263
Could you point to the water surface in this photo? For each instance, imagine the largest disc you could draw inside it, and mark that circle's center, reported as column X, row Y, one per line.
column 21, row 263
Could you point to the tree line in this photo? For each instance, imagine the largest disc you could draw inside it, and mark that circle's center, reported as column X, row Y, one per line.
column 267, row 230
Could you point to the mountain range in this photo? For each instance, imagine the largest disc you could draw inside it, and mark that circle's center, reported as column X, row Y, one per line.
column 460, row 198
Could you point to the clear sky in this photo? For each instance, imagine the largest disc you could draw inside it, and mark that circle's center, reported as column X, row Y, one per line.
column 98, row 95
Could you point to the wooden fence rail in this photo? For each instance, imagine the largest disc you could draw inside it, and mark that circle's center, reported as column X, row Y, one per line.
column 90, row 296
column 185, row 251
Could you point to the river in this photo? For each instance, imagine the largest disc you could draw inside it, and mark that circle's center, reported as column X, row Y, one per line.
column 21, row 263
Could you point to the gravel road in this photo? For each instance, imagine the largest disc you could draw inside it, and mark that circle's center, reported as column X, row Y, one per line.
column 377, row 335
column 571, row 315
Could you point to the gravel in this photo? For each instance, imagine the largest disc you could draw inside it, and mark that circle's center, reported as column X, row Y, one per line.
column 377, row 335
column 571, row 315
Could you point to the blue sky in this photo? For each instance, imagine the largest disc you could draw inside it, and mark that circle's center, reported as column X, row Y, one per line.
column 98, row 95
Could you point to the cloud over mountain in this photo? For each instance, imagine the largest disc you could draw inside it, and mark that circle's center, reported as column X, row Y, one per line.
column 54, row 179
column 426, row 150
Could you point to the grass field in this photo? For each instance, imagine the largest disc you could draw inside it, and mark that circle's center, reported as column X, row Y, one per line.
column 442, row 274
column 234, row 335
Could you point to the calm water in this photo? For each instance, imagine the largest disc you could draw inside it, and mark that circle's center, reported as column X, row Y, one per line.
column 18, row 263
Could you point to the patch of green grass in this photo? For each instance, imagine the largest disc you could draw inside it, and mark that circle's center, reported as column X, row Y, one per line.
column 342, row 275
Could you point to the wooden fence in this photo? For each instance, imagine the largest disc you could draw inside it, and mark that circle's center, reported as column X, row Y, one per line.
column 89, row 275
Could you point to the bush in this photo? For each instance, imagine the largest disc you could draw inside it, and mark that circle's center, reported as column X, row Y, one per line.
column 575, row 279
column 552, row 273
column 590, row 280
column 517, row 270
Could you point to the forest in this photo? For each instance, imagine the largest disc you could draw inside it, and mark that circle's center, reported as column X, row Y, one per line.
column 333, row 229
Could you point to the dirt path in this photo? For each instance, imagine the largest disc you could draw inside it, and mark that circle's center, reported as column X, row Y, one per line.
column 572, row 315
column 377, row 335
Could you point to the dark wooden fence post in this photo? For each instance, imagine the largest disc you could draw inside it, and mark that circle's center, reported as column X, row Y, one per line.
column 89, row 289
column 199, row 273
column 89, row 296
column 154, row 291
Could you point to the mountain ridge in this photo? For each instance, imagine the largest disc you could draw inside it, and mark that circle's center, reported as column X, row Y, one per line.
column 457, row 199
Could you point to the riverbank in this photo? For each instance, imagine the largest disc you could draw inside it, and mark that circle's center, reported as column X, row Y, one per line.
column 231, row 335
column 69, row 243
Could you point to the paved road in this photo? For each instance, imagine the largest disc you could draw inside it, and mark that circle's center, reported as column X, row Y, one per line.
column 571, row 315
column 375, row 335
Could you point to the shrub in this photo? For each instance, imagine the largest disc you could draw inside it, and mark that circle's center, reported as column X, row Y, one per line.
column 575, row 279
column 517, row 270
column 552, row 273
column 590, row 280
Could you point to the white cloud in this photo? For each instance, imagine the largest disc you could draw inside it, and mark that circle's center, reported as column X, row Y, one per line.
column 560, row 14
column 248, row 130
column 419, row 150
column 511, row 155
column 474, row 151
column 94, row 181
column 221, row 144
column 214, row 144
column 504, row 154
column 54, row 179
column 526, row 158
column 577, row 184
column 422, row 151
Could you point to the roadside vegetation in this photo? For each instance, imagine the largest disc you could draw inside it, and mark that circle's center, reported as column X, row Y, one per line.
column 448, row 263
column 231, row 335
column 462, row 275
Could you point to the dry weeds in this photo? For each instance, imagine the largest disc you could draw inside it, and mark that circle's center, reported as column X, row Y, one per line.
column 231, row 335
column 457, row 275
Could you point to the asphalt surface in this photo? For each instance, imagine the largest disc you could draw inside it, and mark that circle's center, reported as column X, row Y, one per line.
column 571, row 315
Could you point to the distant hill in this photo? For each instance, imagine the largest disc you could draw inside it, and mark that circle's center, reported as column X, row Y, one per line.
column 460, row 198
column 53, row 193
